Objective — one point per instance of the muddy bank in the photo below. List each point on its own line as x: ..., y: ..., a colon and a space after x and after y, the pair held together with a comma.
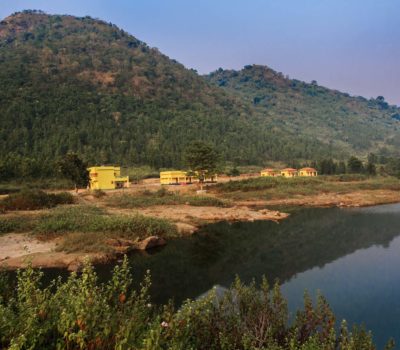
x: 17, y: 250
x: 189, y: 218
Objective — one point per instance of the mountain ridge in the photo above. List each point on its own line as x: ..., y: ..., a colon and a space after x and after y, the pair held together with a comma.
x: 82, y: 84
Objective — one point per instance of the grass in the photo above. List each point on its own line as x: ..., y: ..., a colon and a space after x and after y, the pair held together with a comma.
x: 34, y: 199
x: 275, y: 188
x: 163, y: 197
x: 86, y: 228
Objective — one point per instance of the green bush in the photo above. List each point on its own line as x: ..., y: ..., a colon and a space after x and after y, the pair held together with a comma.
x: 35, y: 199
x: 82, y: 313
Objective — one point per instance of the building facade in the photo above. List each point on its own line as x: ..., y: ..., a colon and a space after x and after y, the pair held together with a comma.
x: 270, y: 172
x: 308, y: 172
x: 107, y: 178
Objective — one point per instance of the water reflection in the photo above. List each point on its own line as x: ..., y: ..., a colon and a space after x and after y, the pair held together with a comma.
x: 310, y: 238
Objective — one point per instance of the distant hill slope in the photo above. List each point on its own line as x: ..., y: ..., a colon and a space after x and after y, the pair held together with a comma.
x: 81, y: 84
x: 353, y: 124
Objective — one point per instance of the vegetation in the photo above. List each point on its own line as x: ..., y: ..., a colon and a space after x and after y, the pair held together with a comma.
x: 92, y: 219
x: 201, y: 159
x: 84, y: 313
x: 163, y: 197
x: 74, y: 169
x: 277, y: 187
x: 85, y: 86
x: 352, y: 125
x: 34, y: 200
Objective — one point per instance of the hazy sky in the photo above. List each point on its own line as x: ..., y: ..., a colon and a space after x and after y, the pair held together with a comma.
x: 349, y: 45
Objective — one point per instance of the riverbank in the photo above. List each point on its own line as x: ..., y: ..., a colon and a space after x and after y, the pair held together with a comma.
x: 103, y: 226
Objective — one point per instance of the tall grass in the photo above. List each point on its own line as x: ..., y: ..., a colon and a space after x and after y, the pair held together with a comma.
x: 82, y: 313
x: 92, y: 219
x: 163, y: 197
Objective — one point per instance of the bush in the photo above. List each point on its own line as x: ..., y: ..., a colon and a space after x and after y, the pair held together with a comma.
x: 82, y: 313
x: 35, y: 199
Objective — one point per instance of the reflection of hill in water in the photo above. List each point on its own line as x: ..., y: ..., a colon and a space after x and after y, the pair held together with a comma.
x: 312, y: 237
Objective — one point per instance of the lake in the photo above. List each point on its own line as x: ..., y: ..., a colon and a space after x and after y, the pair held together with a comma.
x: 351, y: 255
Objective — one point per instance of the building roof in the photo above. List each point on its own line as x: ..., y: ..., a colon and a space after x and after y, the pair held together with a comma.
x: 289, y: 170
x: 268, y: 170
x: 308, y: 169
x: 102, y: 167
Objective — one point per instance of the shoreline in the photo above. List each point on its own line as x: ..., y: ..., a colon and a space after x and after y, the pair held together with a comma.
x: 18, y: 250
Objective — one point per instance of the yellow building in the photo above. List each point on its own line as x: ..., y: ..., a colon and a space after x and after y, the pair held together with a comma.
x: 289, y: 172
x: 174, y: 177
x: 107, y: 178
x: 270, y: 172
x: 308, y: 172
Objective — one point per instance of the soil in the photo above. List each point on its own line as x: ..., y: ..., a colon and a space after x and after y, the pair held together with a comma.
x: 16, y: 250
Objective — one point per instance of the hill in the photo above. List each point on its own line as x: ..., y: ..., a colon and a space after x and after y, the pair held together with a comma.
x: 81, y: 84
x: 352, y: 124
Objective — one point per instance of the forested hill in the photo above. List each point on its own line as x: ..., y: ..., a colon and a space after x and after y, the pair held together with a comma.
x: 353, y: 124
x: 81, y: 84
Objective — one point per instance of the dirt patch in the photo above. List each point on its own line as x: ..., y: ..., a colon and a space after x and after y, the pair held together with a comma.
x: 189, y: 218
x: 52, y: 259
x: 16, y: 244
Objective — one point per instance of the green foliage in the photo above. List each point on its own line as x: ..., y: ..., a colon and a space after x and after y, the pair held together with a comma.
x: 74, y: 169
x: 341, y: 124
x: 355, y: 165
x: 201, y: 158
x: 83, y: 85
x: 35, y: 199
x: 163, y: 197
x: 233, y: 172
x: 86, y: 314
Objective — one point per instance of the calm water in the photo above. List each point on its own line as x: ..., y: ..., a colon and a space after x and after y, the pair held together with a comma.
x: 351, y: 255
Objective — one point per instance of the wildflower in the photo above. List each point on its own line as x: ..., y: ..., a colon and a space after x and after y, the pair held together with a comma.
x: 164, y: 324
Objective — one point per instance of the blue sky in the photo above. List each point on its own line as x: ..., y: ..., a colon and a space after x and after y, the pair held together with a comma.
x: 349, y: 45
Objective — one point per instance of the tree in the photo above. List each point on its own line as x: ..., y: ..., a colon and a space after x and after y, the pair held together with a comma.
x: 73, y: 168
x: 371, y: 168
x: 355, y: 165
x: 202, y: 159
x: 341, y: 168
x: 234, y: 172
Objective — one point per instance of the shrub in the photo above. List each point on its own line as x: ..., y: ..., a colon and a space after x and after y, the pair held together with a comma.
x: 35, y: 199
x: 82, y: 313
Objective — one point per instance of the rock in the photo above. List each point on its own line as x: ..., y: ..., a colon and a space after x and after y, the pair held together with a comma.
x: 151, y: 242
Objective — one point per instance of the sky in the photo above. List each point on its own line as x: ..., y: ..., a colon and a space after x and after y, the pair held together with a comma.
x: 349, y: 45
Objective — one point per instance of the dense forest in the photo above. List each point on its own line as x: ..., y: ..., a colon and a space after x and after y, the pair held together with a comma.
x: 84, y: 85
x: 351, y: 124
